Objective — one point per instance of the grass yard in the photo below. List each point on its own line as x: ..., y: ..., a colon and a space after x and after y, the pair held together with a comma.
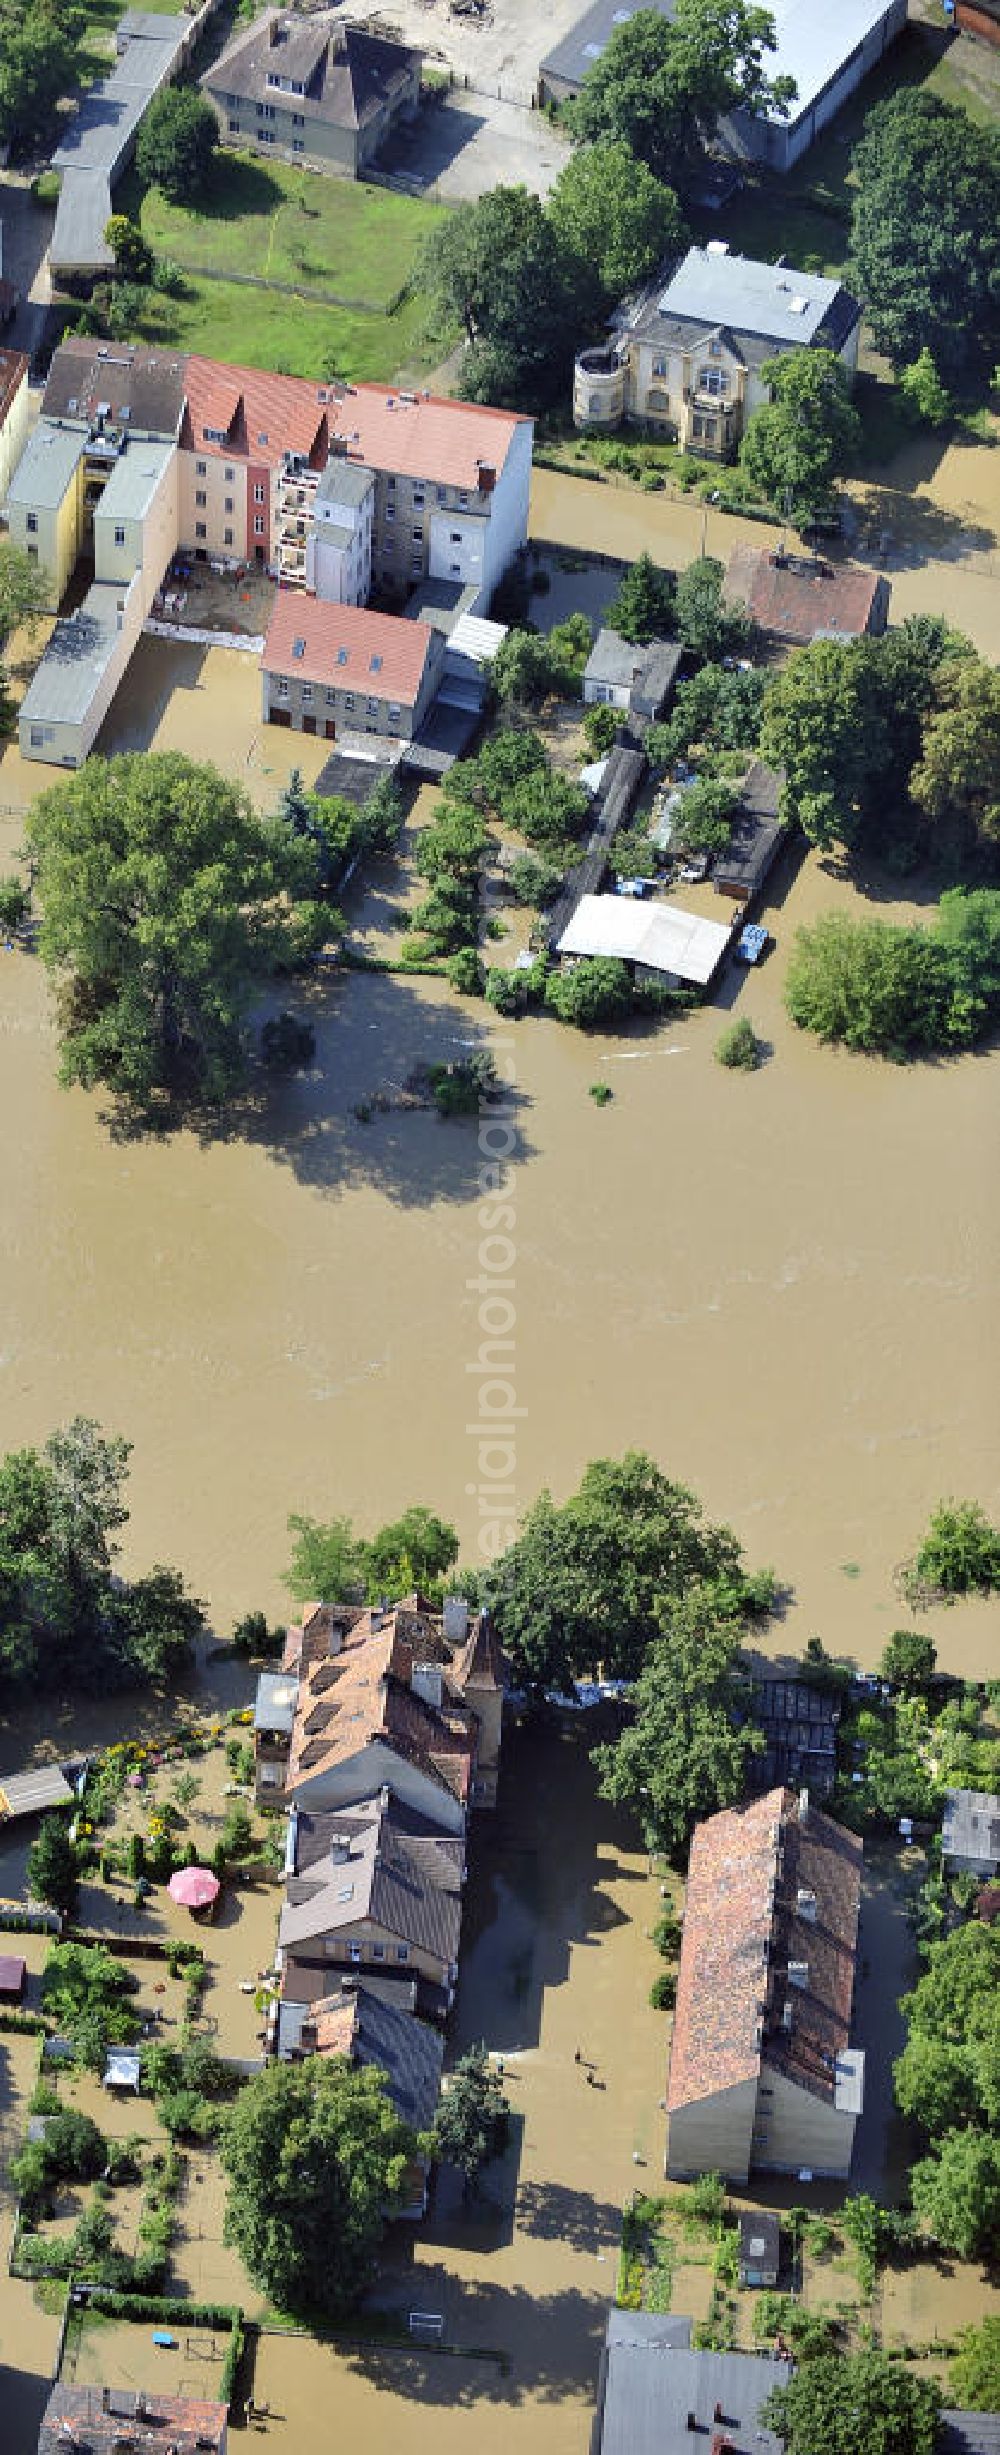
x: 330, y: 237
x: 295, y: 336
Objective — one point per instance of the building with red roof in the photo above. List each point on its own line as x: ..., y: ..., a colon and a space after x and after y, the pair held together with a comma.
x: 795, y: 598
x: 332, y: 669
x: 763, y: 2075
x: 118, y: 2420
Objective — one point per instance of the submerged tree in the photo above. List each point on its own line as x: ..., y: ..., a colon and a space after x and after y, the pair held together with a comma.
x: 167, y: 901
x: 316, y: 2157
x: 685, y: 1748
x: 472, y: 2123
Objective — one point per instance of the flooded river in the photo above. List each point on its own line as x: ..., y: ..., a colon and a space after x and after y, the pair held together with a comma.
x: 783, y: 1286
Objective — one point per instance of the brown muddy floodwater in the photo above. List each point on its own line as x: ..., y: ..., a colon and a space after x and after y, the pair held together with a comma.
x: 783, y: 1286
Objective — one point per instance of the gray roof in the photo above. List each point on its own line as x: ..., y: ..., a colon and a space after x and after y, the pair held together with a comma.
x: 141, y: 389
x: 347, y: 75
x: 760, y: 2236
x: 275, y: 1702
x: 757, y: 835
x: 655, y: 676
x: 407, y: 2050
x: 25, y: 1794
x: 46, y: 467
x: 971, y: 1826
x: 570, y: 60
x: 613, y: 660
x: 134, y: 480
x: 61, y: 691
x: 651, y: 2382
x: 344, y: 482
x: 969, y: 2433
x: 774, y: 302
x: 379, y: 1862
x: 98, y: 140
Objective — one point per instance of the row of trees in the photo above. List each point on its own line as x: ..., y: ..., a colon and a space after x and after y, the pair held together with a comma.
x: 66, y: 1615
x: 947, y: 2082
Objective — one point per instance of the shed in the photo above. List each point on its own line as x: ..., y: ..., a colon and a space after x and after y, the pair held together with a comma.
x: 659, y: 937
x: 122, y: 2069
x: 970, y: 1832
x: 758, y: 835
x: 760, y: 2247
x: 29, y: 1794
x: 12, y: 1974
x: 654, y: 682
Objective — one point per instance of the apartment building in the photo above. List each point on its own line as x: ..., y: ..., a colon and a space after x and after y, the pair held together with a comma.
x: 312, y: 90
x: 685, y: 361
x: 336, y: 490
x: 13, y: 411
x: 334, y: 669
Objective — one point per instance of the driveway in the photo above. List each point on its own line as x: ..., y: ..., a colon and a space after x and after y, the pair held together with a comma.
x: 470, y: 142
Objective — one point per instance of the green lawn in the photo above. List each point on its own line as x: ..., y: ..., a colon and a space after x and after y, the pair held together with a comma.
x: 351, y: 242
x: 295, y: 336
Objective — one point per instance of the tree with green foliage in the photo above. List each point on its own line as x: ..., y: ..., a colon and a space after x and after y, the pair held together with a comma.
x: 924, y: 393
x: 933, y: 2083
x: 956, y: 781
x: 472, y: 2123
x: 908, y: 1661
x: 53, y: 1867
x: 805, y: 436
x: 593, y: 994
x: 715, y: 709
x: 453, y: 845
x: 854, y: 2404
x: 738, y: 1046
x: 845, y: 719
x: 327, y: 1563
x: 177, y: 143
x: 23, y: 590
x: 498, y: 270
x: 960, y: 1552
x: 579, y: 1585
x: 602, y: 725
x: 974, y: 2376
x: 705, y: 625
x: 167, y: 901
x: 925, y: 234
x: 507, y: 758
x: 39, y: 64
x: 533, y: 880
x: 874, y: 985
x: 548, y: 809
x: 133, y: 257
x: 415, y: 1551
x: 316, y: 2159
x: 15, y: 900
x: 704, y: 821
x: 661, y: 86
x: 609, y: 212
x: 685, y: 1748
x: 90, y: 1996
x: 642, y: 608
x: 154, y: 1625
x: 957, y: 2192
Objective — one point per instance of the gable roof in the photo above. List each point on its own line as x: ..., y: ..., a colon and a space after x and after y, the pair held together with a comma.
x: 793, y: 596
x: 355, y: 1689
x: 653, y: 2385
x: 346, y: 75
x: 93, y: 2420
x: 756, y: 836
x: 773, y: 1889
x: 970, y: 1826
x: 262, y: 416
x: 773, y: 302
x: 377, y: 1862
x: 138, y: 387
x: 14, y: 370
x: 348, y: 647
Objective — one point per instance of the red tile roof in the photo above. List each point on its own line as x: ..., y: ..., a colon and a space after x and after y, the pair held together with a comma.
x: 348, y: 646
x: 769, y: 1889
x: 95, y: 2420
x: 14, y: 367
x: 361, y: 1691
x: 415, y: 434
x: 795, y: 597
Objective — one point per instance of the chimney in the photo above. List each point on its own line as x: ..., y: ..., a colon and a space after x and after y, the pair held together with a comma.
x: 427, y: 1682
x: 718, y: 2414
x: 805, y: 1903
x: 105, y: 2399
x: 691, y: 2422
x: 803, y: 1806
x: 456, y: 1618
x: 788, y: 2018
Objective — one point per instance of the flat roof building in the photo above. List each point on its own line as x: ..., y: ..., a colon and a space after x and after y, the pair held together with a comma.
x: 657, y: 937
x: 826, y: 48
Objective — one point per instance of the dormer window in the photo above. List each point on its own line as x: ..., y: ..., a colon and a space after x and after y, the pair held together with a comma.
x: 298, y: 647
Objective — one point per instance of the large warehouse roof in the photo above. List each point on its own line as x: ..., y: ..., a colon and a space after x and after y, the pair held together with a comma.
x: 814, y: 39
x: 659, y: 935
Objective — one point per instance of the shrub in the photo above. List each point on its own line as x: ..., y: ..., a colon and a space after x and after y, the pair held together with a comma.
x: 667, y: 1935
x: 739, y: 1046
x: 707, y: 2199
x: 602, y: 724
x: 14, y: 900
x: 663, y: 1992
x: 465, y: 972
x: 960, y: 1552
x: 595, y: 992
x: 601, y: 1093
x: 535, y: 881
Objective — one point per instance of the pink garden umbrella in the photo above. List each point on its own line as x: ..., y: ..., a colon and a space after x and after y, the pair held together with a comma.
x: 194, y: 1887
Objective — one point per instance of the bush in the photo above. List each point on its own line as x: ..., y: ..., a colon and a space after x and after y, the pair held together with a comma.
x: 739, y: 1046
x: 663, y: 1992
x: 601, y: 1094
x: 465, y: 972
x: 960, y: 1552
x: 602, y: 725
x: 287, y: 1043
x: 592, y: 994
x: 14, y: 902
x: 535, y: 881
x: 667, y: 1934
